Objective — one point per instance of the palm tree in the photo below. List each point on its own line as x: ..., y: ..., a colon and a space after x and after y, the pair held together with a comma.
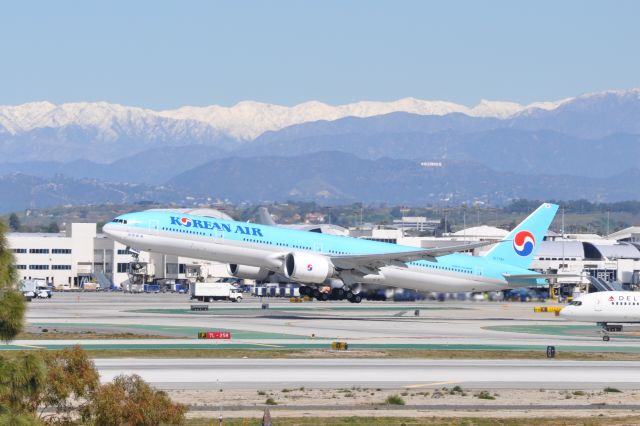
x: 12, y: 304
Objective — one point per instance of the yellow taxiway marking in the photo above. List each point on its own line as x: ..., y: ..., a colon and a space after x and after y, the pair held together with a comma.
x: 424, y: 385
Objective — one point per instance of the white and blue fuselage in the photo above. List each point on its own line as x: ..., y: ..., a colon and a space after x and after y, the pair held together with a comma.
x: 268, y: 248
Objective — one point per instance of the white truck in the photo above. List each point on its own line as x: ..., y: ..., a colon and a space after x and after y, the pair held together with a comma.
x: 208, y: 292
x: 35, y: 288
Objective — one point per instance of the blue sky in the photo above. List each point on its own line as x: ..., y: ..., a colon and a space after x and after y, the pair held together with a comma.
x: 164, y: 54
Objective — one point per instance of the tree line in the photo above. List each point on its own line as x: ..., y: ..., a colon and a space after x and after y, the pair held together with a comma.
x: 576, y: 206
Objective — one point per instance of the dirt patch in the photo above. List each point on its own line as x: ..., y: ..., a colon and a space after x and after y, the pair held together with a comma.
x: 439, y: 401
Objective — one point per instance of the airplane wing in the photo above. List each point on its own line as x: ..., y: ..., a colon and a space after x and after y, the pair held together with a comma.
x: 369, y: 263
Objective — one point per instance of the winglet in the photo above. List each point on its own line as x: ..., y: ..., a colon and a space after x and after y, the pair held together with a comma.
x: 264, y: 217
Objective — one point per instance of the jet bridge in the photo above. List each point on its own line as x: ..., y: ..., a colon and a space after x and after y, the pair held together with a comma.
x: 601, y: 285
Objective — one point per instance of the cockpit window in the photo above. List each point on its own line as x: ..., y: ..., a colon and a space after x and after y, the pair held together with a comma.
x: 122, y: 221
x: 576, y: 303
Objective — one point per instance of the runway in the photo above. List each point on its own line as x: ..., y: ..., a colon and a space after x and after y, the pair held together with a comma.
x: 373, y: 373
x: 169, y: 324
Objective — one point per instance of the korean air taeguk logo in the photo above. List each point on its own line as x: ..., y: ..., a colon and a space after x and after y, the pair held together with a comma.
x: 524, y: 243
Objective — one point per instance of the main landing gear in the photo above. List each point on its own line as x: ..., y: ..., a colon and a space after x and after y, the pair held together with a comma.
x: 334, y: 294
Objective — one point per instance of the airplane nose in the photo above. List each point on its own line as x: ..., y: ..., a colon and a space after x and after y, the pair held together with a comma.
x: 566, y: 312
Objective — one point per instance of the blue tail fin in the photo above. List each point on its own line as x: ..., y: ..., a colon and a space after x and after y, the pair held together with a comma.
x: 519, y: 247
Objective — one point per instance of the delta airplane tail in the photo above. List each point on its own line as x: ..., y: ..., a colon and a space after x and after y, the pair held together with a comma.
x: 519, y: 247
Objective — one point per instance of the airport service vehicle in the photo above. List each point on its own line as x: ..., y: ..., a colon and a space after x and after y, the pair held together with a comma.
x: 255, y: 251
x: 605, y: 307
x: 35, y: 288
x: 43, y: 294
x: 208, y: 292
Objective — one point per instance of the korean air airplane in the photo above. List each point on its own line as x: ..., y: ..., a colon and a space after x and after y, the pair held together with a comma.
x: 605, y: 307
x: 343, y: 263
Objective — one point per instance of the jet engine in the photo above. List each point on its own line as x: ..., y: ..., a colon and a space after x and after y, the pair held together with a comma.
x: 247, y: 272
x: 307, y: 268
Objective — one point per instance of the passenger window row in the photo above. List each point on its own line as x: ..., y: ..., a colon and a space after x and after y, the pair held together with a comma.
x: 186, y: 231
x: 251, y: 240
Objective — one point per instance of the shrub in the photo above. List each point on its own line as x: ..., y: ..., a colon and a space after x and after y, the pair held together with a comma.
x: 394, y: 400
x: 128, y: 398
x: 62, y: 388
x: 485, y: 395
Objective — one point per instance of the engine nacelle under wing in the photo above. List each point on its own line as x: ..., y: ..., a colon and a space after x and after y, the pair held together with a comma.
x: 307, y: 268
x: 247, y: 272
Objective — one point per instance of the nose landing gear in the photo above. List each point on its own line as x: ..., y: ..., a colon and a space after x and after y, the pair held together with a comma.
x: 606, y: 329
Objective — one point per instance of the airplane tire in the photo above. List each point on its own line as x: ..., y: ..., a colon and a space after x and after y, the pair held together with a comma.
x: 315, y: 293
x: 304, y: 290
x: 323, y: 297
x: 337, y: 294
x: 605, y: 338
x: 348, y: 295
x: 357, y: 298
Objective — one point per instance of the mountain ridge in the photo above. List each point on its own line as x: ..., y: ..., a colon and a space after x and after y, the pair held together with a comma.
x: 592, y: 138
x: 336, y: 177
x: 248, y: 119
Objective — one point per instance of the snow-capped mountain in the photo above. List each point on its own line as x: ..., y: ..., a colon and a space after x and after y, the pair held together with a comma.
x: 111, y: 121
x: 247, y: 120
x: 104, y: 132
x: 243, y: 121
x: 529, y: 150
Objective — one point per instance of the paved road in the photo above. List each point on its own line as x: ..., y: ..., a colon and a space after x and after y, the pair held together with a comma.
x: 378, y: 373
